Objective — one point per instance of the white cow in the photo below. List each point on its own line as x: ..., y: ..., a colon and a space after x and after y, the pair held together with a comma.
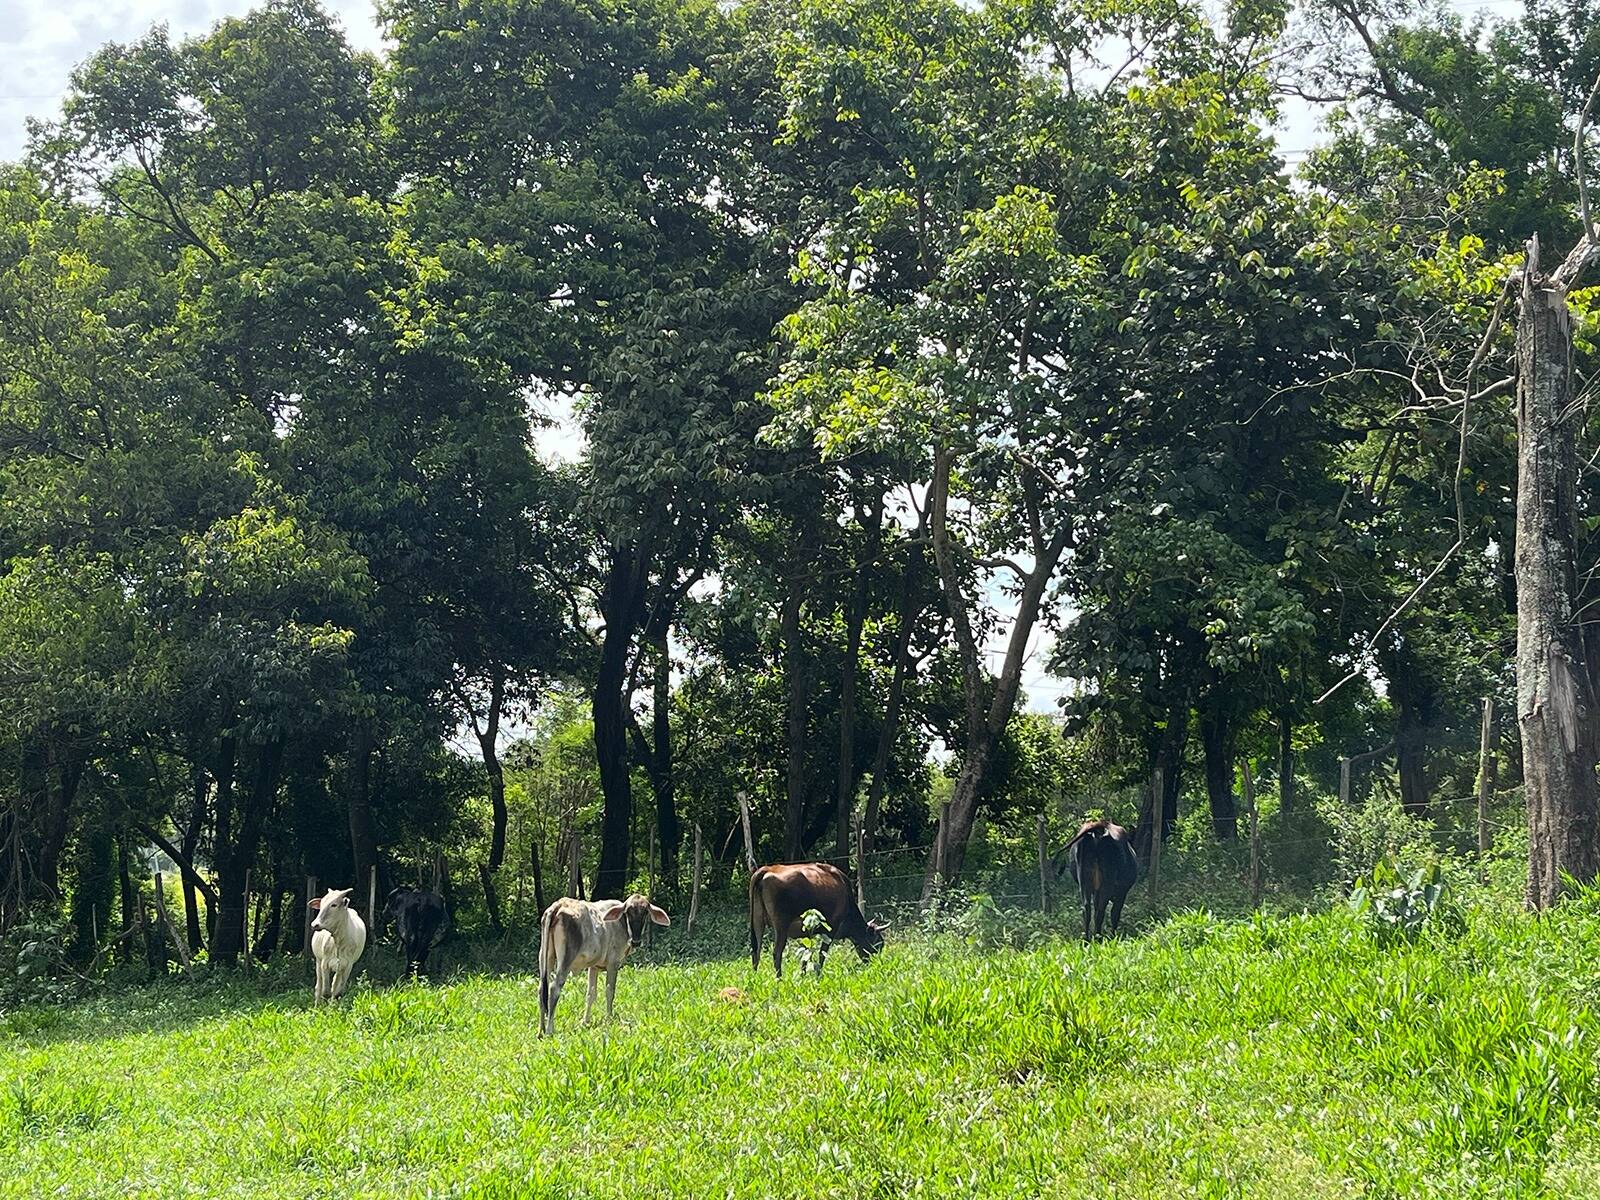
x: 583, y: 934
x: 338, y: 936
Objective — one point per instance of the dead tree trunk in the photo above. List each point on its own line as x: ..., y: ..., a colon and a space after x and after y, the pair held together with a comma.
x: 1557, y: 709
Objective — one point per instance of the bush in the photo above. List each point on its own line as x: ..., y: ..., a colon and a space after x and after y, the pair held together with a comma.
x: 34, y: 968
x: 1398, y: 906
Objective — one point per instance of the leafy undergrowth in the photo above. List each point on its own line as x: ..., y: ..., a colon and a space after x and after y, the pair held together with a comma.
x: 1275, y: 1056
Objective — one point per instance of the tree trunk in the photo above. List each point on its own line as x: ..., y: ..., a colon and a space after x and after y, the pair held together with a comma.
x: 621, y: 607
x: 855, y: 618
x: 60, y: 784
x: 267, y: 943
x: 222, y: 833
x: 191, y: 843
x: 1217, y: 736
x: 538, y: 876
x: 130, y: 898
x: 661, y: 778
x: 489, y: 743
x: 227, y: 938
x: 1285, y: 762
x: 363, y: 836
x: 1557, y: 708
x: 891, y: 717
x: 1166, y: 752
x: 963, y: 811
x: 794, y: 677
x: 989, y: 705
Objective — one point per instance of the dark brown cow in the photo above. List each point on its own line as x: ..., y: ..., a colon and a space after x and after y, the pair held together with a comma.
x: 1102, y: 861
x: 780, y: 895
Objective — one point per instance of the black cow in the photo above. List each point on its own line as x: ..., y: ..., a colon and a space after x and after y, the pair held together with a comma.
x: 418, y: 916
x: 1102, y: 861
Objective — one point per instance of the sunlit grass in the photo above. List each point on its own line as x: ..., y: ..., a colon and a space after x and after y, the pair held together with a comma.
x: 1273, y: 1057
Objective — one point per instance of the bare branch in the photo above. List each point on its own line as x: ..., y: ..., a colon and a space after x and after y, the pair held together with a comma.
x: 1461, y: 508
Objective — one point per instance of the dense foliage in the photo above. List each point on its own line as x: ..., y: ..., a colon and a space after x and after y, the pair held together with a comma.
x: 909, y: 344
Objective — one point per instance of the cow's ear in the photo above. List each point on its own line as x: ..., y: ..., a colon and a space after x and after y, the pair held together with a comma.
x: 659, y: 916
x: 316, y: 904
x: 614, y: 915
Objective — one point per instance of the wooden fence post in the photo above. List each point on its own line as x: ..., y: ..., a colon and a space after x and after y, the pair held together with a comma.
x: 1344, y: 783
x: 305, y: 945
x: 372, y: 899
x: 861, y: 861
x: 1485, y: 775
x: 178, y: 943
x: 941, y: 852
x: 438, y: 869
x: 244, y: 923
x: 749, y: 840
x: 1044, y: 892
x: 1255, y: 835
x: 650, y: 888
x: 1157, y: 820
x: 694, y: 884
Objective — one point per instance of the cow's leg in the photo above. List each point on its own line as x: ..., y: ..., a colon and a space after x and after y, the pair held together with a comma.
x: 757, y: 928
x: 557, y: 982
x: 320, y: 994
x: 1100, y: 915
x: 1116, y: 913
x: 780, y: 938
x: 588, y: 1007
x: 611, y: 988
x: 1088, y: 911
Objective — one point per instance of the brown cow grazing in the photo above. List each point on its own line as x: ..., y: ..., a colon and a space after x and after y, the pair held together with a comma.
x: 781, y: 895
x: 1102, y: 861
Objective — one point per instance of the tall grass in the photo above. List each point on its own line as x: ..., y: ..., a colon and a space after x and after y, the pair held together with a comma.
x: 1283, y: 1055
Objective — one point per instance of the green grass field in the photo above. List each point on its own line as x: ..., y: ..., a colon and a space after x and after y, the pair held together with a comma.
x: 1274, y: 1057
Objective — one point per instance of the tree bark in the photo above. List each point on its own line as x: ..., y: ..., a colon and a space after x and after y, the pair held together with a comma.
x: 1166, y: 752
x: 191, y: 843
x: 222, y: 832
x: 130, y: 898
x: 227, y: 937
x: 538, y: 876
x: 989, y: 705
x: 855, y: 618
x: 61, y: 776
x: 1557, y: 710
x: 622, y: 609
x: 1217, y: 736
x: 489, y: 744
x: 891, y: 712
x: 662, y: 782
x: 794, y: 678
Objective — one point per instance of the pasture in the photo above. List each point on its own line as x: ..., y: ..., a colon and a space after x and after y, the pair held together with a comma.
x: 1266, y: 1056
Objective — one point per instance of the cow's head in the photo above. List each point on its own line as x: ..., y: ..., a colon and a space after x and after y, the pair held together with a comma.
x: 396, y: 900
x: 332, y: 909
x: 873, y: 941
x: 634, y: 913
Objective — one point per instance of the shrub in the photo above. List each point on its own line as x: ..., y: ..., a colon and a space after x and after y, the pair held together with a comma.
x: 1398, y: 906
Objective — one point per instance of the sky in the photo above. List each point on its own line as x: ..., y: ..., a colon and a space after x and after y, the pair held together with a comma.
x: 40, y: 43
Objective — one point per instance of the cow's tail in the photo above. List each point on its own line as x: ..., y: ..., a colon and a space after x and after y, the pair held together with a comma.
x: 547, y: 962
x: 757, y: 921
